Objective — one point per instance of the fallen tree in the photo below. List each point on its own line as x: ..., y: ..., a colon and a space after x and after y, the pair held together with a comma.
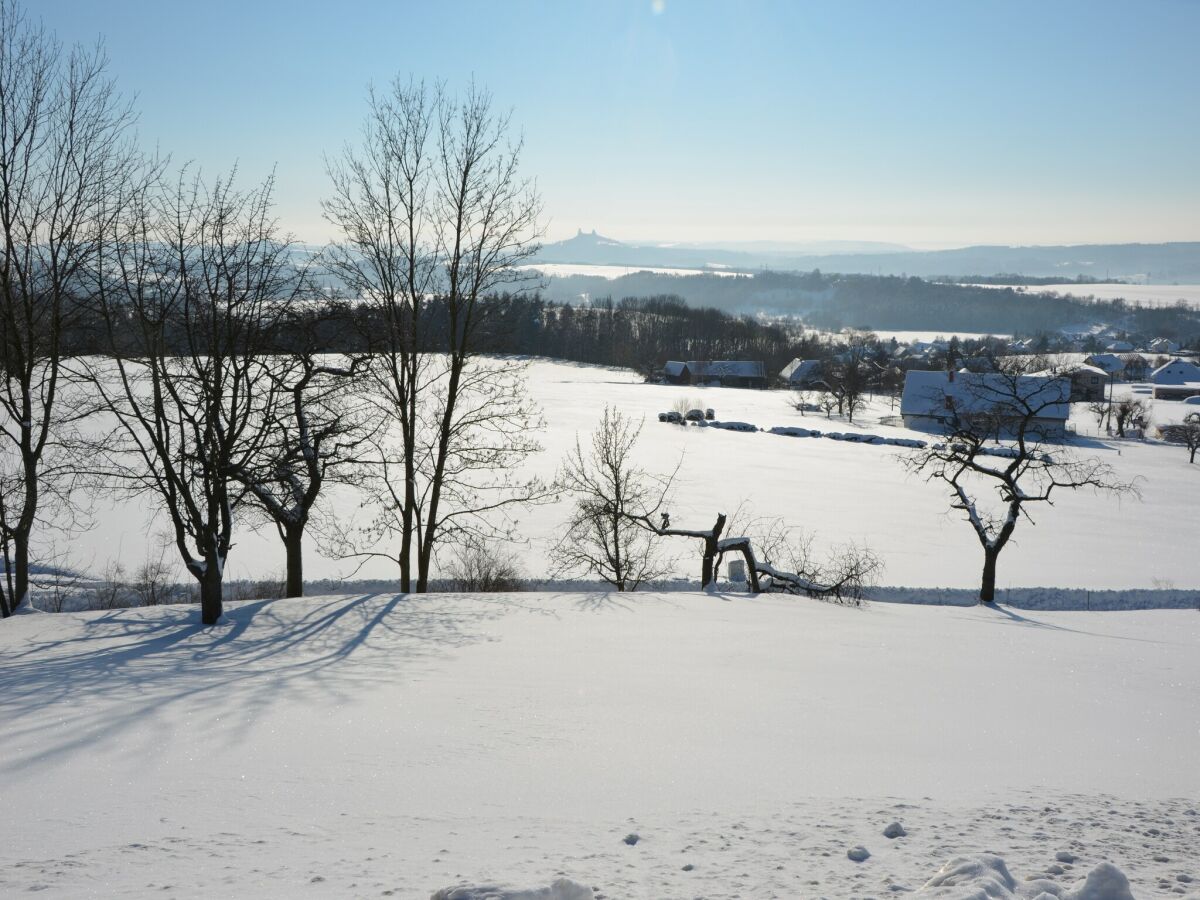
x: 848, y: 571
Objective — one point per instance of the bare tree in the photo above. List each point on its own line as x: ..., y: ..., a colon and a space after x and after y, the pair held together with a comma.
x: 847, y: 572
x: 602, y: 536
x: 478, y: 566
x: 111, y: 591
x: 1186, y: 433
x: 848, y: 378
x: 151, y: 585
x: 314, y: 434
x: 63, y: 156
x: 1129, y: 412
x: 197, y: 281
x: 1008, y: 405
x: 1099, y: 409
x: 436, y: 221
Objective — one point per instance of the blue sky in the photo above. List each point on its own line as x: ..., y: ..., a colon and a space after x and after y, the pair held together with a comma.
x: 926, y: 123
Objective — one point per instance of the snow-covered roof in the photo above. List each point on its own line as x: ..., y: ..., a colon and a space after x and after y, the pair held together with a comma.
x: 1109, y: 362
x: 1073, y: 370
x: 1177, y: 371
x: 1119, y: 346
x: 717, y: 368
x: 934, y: 394
x: 799, y: 369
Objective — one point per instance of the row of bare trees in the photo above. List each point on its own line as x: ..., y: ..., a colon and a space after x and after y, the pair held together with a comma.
x: 209, y: 395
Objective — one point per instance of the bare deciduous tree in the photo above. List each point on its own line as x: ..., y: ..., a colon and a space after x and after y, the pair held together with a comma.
x: 601, y: 536
x: 197, y: 281
x: 436, y: 221
x: 63, y: 156
x: 478, y: 566
x: 1129, y: 412
x: 313, y: 435
x: 1013, y: 406
x: 847, y: 572
x: 1187, y: 433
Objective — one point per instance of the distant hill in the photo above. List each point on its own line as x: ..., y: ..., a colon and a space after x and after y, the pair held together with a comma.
x: 1161, y: 263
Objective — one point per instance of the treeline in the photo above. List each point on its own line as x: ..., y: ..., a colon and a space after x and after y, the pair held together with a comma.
x: 883, y: 303
x: 639, y: 333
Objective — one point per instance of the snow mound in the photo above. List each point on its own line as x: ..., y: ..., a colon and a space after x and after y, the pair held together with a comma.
x: 979, y: 877
x: 561, y: 889
x: 985, y: 877
x: 795, y: 431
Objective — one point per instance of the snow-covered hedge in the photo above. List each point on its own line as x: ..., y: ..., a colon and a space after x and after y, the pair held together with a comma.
x: 795, y: 431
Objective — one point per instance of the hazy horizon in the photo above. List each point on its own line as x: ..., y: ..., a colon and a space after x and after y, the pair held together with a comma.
x: 932, y: 126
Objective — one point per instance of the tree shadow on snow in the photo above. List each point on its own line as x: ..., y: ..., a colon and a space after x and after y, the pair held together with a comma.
x: 261, y: 652
x: 1006, y: 615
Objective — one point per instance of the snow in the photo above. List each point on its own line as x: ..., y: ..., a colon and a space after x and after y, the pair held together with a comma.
x: 844, y: 493
x: 562, y: 889
x: 984, y: 876
x: 357, y: 745
x: 1137, y: 294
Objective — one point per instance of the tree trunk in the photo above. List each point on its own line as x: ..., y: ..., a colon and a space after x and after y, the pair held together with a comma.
x: 707, y: 575
x: 211, y: 606
x: 293, y: 541
x: 21, y: 565
x: 987, y: 592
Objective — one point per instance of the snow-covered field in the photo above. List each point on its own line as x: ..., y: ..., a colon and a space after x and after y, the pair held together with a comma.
x: 380, y: 745
x: 840, y: 491
x: 1138, y: 294
x: 565, y: 270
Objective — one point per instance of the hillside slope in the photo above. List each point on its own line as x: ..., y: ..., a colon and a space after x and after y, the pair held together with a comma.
x: 353, y: 746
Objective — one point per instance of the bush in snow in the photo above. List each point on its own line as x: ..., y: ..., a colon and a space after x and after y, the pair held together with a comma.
x: 478, y: 566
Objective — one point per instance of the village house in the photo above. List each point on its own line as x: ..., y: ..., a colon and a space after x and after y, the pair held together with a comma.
x: 943, y: 401
x: 1135, y: 367
x: 723, y: 373
x: 1162, y: 345
x: 1176, y: 380
x: 1110, y: 363
x: 802, y: 373
x: 1087, y: 382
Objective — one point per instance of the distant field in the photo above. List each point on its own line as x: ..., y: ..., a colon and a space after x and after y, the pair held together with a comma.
x: 566, y: 270
x: 840, y: 492
x: 1141, y: 294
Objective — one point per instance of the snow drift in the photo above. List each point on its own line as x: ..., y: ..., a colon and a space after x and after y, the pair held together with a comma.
x: 561, y: 889
x: 986, y: 877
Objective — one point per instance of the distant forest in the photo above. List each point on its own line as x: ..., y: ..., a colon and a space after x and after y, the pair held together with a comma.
x: 883, y: 303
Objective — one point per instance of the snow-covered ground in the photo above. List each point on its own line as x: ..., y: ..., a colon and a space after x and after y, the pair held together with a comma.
x: 380, y: 745
x: 1138, y: 294
x: 841, y: 492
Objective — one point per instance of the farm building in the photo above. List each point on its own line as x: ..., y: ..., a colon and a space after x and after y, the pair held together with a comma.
x: 723, y: 372
x: 941, y: 401
x: 1135, y: 367
x: 801, y: 373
